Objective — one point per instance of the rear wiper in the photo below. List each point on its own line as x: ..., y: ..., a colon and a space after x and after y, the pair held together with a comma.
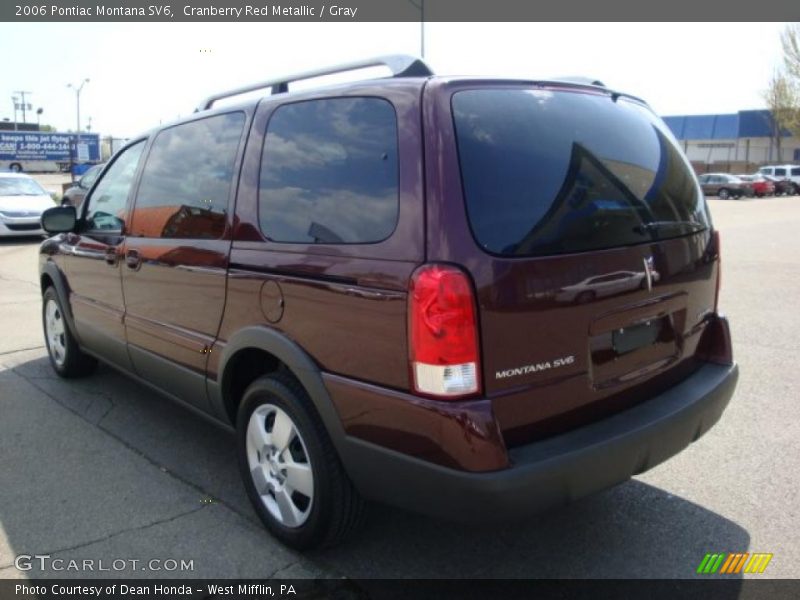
x: 656, y: 226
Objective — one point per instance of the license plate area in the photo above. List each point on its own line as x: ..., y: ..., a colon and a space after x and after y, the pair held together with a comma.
x: 628, y: 339
x: 632, y: 344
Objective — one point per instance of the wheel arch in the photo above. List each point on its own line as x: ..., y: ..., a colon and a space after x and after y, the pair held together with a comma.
x: 278, y: 352
x: 52, y: 276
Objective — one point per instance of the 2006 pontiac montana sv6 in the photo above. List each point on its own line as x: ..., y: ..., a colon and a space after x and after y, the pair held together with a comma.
x: 470, y: 298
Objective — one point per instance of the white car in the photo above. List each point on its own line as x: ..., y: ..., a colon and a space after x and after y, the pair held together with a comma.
x: 22, y: 202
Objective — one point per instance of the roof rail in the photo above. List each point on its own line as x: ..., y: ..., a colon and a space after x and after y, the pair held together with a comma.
x: 400, y: 65
x: 580, y: 79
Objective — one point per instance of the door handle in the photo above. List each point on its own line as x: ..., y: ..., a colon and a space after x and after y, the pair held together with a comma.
x: 132, y: 259
x: 111, y: 256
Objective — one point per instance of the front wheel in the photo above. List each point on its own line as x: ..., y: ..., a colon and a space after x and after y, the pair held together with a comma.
x: 724, y: 194
x: 66, y: 357
x: 290, y: 468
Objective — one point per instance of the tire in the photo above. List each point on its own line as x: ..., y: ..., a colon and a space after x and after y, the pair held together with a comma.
x: 723, y: 194
x: 66, y: 358
x: 15, y: 167
x: 585, y: 297
x: 281, y: 438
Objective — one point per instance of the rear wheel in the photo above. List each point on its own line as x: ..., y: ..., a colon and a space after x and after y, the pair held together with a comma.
x: 66, y: 357
x: 724, y: 194
x: 290, y: 468
x: 15, y: 167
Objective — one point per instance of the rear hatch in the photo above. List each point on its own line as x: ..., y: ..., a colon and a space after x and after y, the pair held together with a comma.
x: 595, y: 269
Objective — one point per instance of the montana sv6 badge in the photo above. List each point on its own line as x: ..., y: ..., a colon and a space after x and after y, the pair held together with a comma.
x: 535, y: 367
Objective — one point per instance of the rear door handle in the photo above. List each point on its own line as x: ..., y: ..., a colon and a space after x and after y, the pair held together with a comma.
x: 132, y: 259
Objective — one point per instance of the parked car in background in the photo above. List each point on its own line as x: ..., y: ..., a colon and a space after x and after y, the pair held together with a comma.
x: 784, y: 172
x: 783, y: 187
x: 725, y: 186
x: 74, y: 195
x: 22, y: 202
x: 762, y: 186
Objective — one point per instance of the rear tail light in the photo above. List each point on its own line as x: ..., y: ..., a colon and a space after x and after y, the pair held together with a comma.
x: 443, y: 333
x: 718, y: 249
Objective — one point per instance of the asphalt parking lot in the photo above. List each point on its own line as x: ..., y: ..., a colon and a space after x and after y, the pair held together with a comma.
x: 102, y: 468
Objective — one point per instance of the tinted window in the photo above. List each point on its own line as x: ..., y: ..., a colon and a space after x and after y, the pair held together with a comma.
x: 329, y: 172
x: 795, y: 172
x: 549, y: 172
x: 187, y: 178
x: 780, y: 172
x: 108, y: 200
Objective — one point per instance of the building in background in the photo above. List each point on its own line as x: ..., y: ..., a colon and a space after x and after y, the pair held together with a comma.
x: 733, y: 143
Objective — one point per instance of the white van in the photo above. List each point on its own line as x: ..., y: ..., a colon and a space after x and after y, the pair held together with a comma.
x: 789, y: 172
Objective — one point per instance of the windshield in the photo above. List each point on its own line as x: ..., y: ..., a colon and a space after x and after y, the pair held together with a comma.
x: 551, y: 172
x: 20, y: 186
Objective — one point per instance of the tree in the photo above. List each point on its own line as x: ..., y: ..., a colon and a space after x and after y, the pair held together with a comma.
x: 783, y: 102
x: 790, y: 40
x: 783, y: 92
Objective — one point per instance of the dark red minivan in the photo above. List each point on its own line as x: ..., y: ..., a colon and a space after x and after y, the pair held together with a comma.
x: 471, y: 298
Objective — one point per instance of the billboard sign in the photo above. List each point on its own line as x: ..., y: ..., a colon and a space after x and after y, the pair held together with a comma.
x: 27, y: 145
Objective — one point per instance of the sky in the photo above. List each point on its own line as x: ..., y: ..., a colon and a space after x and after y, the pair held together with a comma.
x: 144, y: 74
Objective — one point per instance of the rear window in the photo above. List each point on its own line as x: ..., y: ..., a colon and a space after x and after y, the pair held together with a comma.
x: 552, y: 172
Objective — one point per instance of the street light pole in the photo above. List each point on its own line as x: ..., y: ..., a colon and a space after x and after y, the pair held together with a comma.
x: 422, y: 29
x: 77, y: 89
x: 420, y: 4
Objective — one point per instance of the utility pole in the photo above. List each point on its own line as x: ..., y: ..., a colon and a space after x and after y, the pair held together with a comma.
x: 14, y: 100
x: 77, y: 89
x: 22, y: 94
x: 420, y: 4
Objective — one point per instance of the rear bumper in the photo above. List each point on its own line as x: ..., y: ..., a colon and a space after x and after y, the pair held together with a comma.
x: 554, y: 471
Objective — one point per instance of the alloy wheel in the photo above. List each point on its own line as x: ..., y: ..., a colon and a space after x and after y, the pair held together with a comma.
x: 280, y: 466
x: 56, y: 336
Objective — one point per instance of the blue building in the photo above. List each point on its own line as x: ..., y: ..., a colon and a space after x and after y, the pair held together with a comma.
x: 736, y: 142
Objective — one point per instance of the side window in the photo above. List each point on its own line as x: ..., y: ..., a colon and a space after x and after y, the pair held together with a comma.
x: 796, y: 172
x: 88, y: 178
x: 780, y: 172
x: 329, y: 172
x: 106, y: 206
x: 187, y: 178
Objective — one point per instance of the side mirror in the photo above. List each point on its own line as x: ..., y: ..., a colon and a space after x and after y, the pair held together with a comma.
x: 59, y: 219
